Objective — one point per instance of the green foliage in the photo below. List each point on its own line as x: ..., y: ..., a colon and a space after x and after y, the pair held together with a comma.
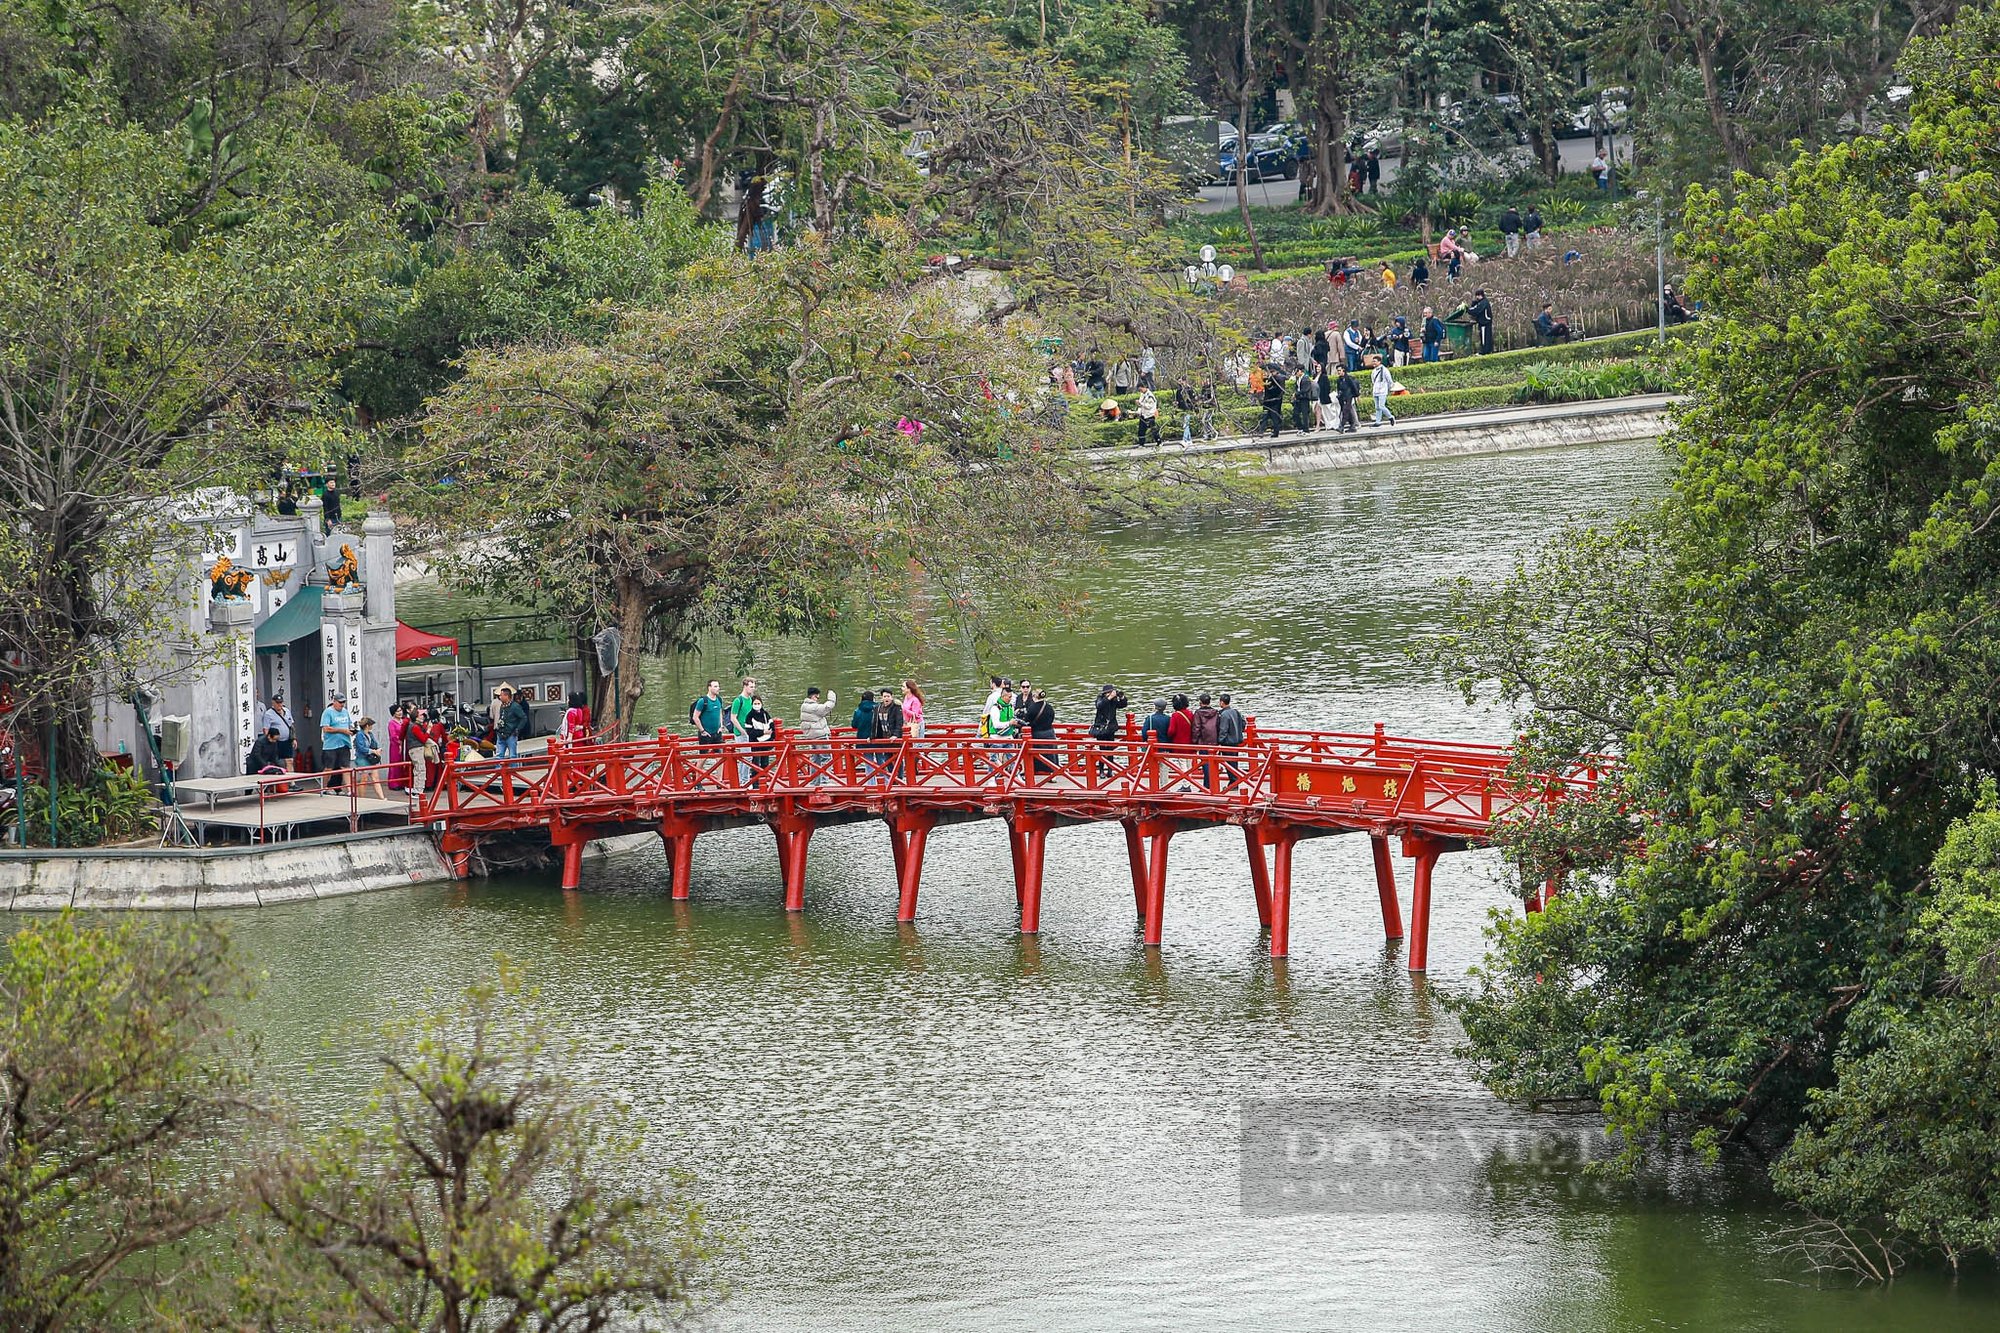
x: 1795, y: 656
x: 1457, y: 207
x: 481, y: 1186
x: 112, y: 805
x: 119, y: 1069
x: 1546, y: 382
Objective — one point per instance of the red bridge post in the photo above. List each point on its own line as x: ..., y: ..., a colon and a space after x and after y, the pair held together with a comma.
x: 1385, y: 887
x: 793, y: 833
x: 1260, y: 872
x: 678, y: 833
x: 1426, y: 852
x: 1156, y: 832
x: 908, y: 831
x: 1135, y: 856
x: 1282, y: 838
x: 1030, y: 835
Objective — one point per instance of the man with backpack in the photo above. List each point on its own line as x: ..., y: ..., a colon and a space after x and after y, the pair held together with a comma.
x: 705, y: 715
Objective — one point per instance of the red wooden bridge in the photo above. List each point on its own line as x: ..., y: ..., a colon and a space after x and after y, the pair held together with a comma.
x: 1279, y: 787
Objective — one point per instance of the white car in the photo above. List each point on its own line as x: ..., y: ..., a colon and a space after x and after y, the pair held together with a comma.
x: 1617, y: 109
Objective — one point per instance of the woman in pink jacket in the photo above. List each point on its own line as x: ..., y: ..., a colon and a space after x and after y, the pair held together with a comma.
x: 913, y: 708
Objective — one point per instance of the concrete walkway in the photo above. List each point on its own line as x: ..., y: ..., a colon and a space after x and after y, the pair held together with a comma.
x: 1447, y: 435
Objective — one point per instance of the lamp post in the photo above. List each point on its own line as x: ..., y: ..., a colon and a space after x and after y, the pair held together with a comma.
x: 1208, y: 277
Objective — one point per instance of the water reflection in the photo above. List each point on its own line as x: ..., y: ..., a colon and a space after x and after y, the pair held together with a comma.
x: 945, y: 1124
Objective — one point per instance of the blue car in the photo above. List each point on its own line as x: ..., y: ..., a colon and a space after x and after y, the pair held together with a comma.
x: 1269, y: 156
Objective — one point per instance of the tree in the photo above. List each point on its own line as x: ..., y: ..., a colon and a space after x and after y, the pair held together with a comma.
x: 1795, y: 654
x: 148, y: 353
x: 118, y: 1067
x: 482, y: 1187
x: 763, y: 440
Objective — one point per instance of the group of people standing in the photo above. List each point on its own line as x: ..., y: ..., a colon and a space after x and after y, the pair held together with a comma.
x: 1321, y: 384
x: 406, y: 755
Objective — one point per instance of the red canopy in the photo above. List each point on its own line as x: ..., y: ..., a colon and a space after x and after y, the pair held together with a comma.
x: 413, y: 645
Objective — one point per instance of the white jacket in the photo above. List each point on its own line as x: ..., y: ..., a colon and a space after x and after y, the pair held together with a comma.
x: 813, y: 715
x: 1382, y: 380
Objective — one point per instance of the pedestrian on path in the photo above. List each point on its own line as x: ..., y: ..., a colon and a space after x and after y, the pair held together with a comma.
x: 336, y: 738
x: 1207, y: 403
x: 1149, y: 416
x: 1304, y: 394
x: 1382, y: 381
x: 1274, y: 405
x: 1323, y: 398
x: 1184, y: 403
x: 1346, y: 390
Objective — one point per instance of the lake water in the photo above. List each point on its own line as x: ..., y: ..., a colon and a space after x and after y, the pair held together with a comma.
x: 946, y: 1125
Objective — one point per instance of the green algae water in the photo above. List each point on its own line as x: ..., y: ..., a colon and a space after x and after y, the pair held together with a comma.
x: 946, y: 1125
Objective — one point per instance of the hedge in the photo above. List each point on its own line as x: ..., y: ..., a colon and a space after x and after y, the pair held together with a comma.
x: 1615, y: 347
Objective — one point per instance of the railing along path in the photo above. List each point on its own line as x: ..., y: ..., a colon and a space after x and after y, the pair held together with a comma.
x: 1279, y: 787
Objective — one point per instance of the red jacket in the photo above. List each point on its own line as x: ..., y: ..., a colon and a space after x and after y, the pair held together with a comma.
x: 1180, y: 728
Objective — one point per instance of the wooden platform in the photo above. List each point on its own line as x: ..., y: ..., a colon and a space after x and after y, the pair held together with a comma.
x: 279, y: 818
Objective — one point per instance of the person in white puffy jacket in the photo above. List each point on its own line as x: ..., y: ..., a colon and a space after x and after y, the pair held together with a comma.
x: 1383, y: 382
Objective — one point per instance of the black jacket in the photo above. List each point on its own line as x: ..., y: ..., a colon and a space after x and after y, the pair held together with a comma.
x: 1110, y: 703
x: 888, y: 720
x: 1481, y: 312
x: 1274, y: 395
x: 1346, y: 388
x: 265, y: 754
x: 1039, y: 716
x: 1433, y: 330
x: 1510, y: 222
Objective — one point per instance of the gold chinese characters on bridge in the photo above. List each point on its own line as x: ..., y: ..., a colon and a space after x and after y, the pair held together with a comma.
x: 1367, y: 787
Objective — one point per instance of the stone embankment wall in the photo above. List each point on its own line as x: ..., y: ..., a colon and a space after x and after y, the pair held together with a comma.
x: 1499, y: 431
x: 212, y: 877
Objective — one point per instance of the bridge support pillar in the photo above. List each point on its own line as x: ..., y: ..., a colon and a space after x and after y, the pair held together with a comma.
x: 1282, y: 840
x: 907, y: 835
x: 678, y: 835
x: 1135, y: 856
x: 1260, y: 872
x: 1157, y: 833
x: 1426, y: 852
x: 793, y: 833
x: 572, y: 872
x: 1385, y: 887
x: 1029, y: 835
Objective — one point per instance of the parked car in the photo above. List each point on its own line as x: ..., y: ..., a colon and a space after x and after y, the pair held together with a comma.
x: 1616, y: 111
x: 1268, y: 157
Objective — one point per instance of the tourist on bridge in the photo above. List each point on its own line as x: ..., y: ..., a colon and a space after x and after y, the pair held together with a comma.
x: 1346, y: 390
x: 513, y: 722
x: 576, y: 719
x: 738, y: 723
x: 1180, y: 725
x: 336, y: 738
x: 1382, y: 382
x: 815, y: 728
x: 1039, y: 716
x: 1206, y: 732
x: 913, y: 708
x: 1159, y: 724
x: 999, y: 725
x: 705, y: 715
x: 1230, y: 730
x: 1104, y: 725
x: 277, y: 715
x: 890, y: 724
x: 758, y: 728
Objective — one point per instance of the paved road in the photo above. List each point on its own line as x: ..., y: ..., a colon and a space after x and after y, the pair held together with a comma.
x: 1575, y: 155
